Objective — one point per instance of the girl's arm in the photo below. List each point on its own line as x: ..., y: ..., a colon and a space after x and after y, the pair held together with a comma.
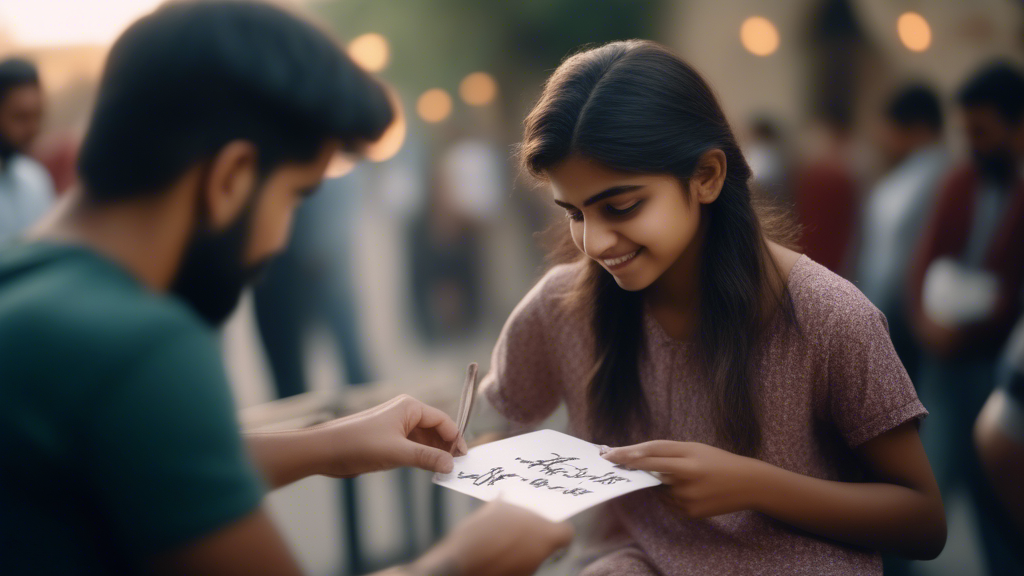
x: 899, y: 512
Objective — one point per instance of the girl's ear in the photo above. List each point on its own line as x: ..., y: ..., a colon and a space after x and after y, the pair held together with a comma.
x: 708, y: 178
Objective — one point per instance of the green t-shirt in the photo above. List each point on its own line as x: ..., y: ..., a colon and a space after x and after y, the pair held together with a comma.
x: 118, y: 438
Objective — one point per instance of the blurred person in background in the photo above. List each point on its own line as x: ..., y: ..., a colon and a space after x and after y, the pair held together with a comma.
x: 58, y: 152
x: 826, y: 194
x: 121, y: 449
x: 965, y: 288
x: 26, y: 190
x: 999, y: 435
x: 769, y: 160
x: 445, y: 260
x: 310, y: 284
x: 910, y: 139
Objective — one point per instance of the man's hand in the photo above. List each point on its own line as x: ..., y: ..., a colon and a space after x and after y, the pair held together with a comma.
x: 497, y: 540
x: 700, y: 480
x: 401, y: 432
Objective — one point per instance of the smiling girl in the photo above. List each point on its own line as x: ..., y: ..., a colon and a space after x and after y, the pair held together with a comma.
x: 763, y: 388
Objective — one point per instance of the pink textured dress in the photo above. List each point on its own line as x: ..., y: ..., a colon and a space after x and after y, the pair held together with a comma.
x: 823, y: 391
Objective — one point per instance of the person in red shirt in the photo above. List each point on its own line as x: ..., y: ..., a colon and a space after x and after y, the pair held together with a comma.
x: 826, y: 200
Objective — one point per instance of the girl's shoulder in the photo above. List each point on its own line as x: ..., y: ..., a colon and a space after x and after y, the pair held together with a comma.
x: 824, y: 300
x: 551, y: 309
x: 556, y: 292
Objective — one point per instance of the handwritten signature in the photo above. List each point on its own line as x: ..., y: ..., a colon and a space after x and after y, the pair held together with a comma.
x: 558, y: 466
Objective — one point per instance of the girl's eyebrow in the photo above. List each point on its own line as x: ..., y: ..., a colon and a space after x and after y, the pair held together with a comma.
x: 609, y: 193
x: 613, y: 191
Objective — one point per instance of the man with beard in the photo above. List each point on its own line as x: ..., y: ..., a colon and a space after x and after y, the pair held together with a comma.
x: 26, y: 191
x: 965, y: 291
x: 120, y: 449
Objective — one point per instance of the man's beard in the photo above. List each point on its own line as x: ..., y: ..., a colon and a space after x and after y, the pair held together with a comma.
x: 7, y: 150
x: 998, y: 165
x: 212, y: 274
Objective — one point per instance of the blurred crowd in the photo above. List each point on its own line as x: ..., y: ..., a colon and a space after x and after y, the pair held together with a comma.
x: 936, y: 242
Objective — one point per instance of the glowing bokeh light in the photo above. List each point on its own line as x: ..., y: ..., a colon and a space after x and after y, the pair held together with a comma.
x: 914, y: 31
x: 339, y: 165
x: 759, y: 36
x: 478, y: 89
x: 370, y: 51
x: 391, y: 141
x: 434, y: 105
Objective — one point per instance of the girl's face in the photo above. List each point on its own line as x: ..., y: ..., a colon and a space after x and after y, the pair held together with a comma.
x: 634, y: 225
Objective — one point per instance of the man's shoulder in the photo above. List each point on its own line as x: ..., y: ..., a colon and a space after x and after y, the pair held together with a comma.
x: 71, y: 300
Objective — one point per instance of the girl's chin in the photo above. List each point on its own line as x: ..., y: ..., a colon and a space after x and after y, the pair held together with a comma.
x: 631, y: 283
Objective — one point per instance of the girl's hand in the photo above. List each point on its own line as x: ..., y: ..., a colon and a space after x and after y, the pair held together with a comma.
x: 701, y: 480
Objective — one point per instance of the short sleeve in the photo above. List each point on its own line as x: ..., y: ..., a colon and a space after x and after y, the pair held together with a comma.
x: 1010, y: 418
x: 522, y: 384
x: 165, y: 456
x: 869, y: 391
x: 1012, y: 366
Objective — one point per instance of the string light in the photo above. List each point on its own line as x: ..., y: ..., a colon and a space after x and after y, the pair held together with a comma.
x: 759, y: 36
x: 434, y: 105
x: 914, y: 31
x: 478, y: 89
x: 394, y: 136
x: 370, y: 51
x: 339, y: 165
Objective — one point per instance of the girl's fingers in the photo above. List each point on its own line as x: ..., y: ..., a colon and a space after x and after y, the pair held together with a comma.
x: 673, y: 466
x: 654, y: 448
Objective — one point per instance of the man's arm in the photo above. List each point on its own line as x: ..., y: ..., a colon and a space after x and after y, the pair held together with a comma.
x: 250, y: 546
x: 401, y: 432
x: 497, y: 540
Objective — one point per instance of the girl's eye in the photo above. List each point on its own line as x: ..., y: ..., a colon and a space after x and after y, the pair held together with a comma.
x: 622, y: 210
x: 574, y: 215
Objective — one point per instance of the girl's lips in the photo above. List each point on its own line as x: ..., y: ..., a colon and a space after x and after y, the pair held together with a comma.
x: 620, y: 261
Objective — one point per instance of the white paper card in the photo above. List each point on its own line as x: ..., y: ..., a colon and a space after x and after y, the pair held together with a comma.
x: 552, y: 474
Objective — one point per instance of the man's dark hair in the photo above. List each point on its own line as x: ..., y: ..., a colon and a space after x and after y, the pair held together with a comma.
x: 916, y: 105
x: 999, y: 85
x: 187, y: 79
x: 16, y: 72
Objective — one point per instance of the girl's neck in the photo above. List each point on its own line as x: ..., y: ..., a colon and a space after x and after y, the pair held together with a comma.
x: 674, y: 298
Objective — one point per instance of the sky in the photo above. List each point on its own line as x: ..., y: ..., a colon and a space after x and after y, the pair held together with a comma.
x: 51, y: 23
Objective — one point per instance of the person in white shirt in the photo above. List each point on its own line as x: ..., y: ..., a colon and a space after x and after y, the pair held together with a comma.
x: 896, y: 208
x: 26, y: 189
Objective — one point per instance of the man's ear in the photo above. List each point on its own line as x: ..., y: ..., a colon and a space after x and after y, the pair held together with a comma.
x: 709, y: 177
x: 229, y: 182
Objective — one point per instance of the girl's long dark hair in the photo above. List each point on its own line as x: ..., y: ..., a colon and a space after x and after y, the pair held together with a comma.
x: 633, y: 106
